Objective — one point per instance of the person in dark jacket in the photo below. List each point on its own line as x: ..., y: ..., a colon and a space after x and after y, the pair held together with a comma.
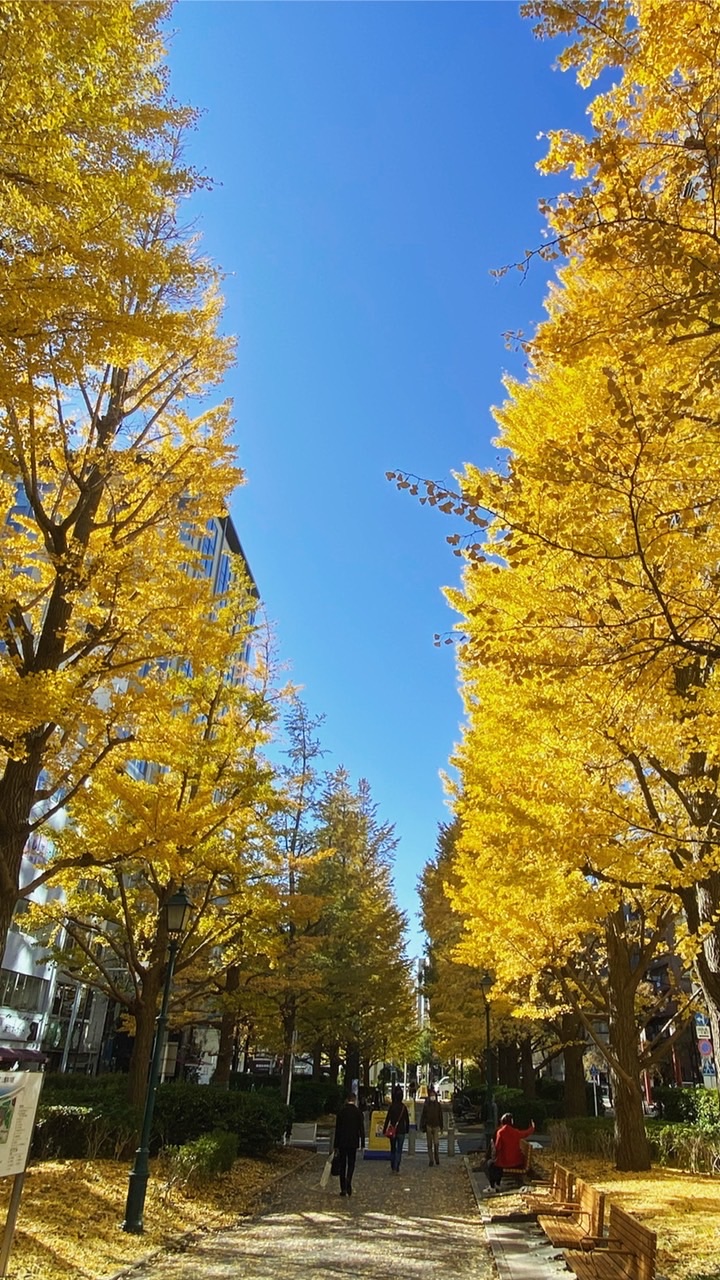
x: 349, y: 1135
x: 431, y: 1123
x: 397, y: 1124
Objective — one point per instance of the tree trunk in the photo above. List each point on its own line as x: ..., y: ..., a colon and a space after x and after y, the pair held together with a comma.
x: 317, y: 1060
x: 702, y: 903
x: 145, y: 1011
x: 508, y: 1067
x: 289, y: 1023
x: 17, y: 795
x: 334, y: 1055
x: 527, y: 1068
x: 352, y: 1064
x: 221, y: 1075
x: 632, y: 1150
x: 574, y: 1046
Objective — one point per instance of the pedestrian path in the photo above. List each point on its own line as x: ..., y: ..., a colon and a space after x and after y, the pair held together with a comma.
x: 421, y: 1223
x: 519, y: 1249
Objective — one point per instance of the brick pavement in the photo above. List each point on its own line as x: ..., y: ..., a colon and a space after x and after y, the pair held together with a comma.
x: 422, y: 1224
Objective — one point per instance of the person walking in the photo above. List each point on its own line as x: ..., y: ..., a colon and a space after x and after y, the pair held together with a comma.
x: 349, y: 1135
x: 431, y: 1123
x: 397, y: 1124
x: 508, y: 1153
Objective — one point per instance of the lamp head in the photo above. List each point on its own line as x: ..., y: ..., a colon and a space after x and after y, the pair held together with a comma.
x: 177, y: 912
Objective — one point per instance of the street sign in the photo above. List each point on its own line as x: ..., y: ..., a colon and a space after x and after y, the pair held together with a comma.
x: 704, y: 1048
x: 594, y: 1075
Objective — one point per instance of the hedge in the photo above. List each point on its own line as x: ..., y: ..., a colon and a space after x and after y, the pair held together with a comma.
x: 205, y: 1158
x: 92, y: 1119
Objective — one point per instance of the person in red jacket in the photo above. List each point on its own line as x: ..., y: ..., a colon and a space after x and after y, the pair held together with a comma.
x: 508, y: 1153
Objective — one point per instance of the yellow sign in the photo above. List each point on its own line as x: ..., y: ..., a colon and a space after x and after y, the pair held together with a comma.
x: 377, y: 1142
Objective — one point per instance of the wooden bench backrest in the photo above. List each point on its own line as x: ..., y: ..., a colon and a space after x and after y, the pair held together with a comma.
x: 591, y: 1207
x: 563, y: 1184
x: 629, y: 1235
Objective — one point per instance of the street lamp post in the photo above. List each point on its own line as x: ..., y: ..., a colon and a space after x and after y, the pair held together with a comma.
x: 490, y: 1103
x: 177, y: 914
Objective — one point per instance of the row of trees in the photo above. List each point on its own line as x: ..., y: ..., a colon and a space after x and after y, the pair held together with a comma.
x: 135, y: 728
x: 588, y: 804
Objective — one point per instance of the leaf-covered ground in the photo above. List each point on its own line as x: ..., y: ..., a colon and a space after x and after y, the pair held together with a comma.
x: 69, y: 1222
x: 682, y: 1208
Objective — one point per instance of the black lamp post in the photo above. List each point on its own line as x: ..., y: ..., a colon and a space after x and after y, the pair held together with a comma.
x: 490, y: 1104
x: 177, y: 915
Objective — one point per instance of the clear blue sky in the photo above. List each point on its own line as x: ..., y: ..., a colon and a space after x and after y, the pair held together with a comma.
x: 373, y: 162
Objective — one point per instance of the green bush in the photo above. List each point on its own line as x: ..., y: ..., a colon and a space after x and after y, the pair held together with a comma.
x: 184, y: 1112
x: 205, y: 1158
x: 698, y: 1106
x: 522, y: 1109
x: 311, y: 1099
x: 677, y: 1146
x: 75, y: 1132
x: 91, y: 1118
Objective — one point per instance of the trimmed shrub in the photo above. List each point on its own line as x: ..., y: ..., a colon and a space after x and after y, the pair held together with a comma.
x: 313, y: 1098
x: 74, y: 1132
x: 91, y: 1118
x: 184, y: 1112
x: 205, y: 1158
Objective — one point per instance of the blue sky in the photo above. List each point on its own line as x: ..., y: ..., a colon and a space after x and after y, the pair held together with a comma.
x: 373, y: 163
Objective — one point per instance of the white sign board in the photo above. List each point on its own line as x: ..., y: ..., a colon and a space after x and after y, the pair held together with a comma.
x: 19, y: 1095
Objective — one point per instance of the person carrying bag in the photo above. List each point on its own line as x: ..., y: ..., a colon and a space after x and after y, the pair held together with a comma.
x: 397, y: 1124
x: 349, y: 1135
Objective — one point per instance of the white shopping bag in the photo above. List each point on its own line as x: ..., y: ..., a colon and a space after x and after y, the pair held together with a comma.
x: 327, y: 1170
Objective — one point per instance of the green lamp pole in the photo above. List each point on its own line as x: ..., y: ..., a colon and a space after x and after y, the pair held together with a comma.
x: 490, y: 1104
x: 177, y: 911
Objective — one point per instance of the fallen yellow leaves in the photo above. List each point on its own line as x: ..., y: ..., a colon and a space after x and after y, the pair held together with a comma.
x: 71, y: 1210
x: 682, y: 1208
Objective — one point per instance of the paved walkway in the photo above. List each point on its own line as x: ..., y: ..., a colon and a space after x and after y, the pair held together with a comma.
x: 421, y: 1223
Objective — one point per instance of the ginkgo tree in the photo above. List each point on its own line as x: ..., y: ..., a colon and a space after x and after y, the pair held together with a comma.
x: 112, y: 457
x: 592, y: 557
x: 189, y: 814
x: 365, y: 999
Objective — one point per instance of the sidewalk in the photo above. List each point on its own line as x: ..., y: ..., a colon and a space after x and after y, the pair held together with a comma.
x: 519, y: 1249
x: 422, y: 1224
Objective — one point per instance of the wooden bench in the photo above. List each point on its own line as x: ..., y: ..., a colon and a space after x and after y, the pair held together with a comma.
x: 629, y: 1252
x: 585, y: 1227
x: 559, y: 1196
x: 522, y: 1172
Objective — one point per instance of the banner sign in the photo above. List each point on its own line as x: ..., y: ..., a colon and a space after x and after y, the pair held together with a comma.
x: 19, y: 1096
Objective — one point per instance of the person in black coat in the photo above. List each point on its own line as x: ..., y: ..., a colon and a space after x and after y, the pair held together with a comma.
x: 349, y: 1135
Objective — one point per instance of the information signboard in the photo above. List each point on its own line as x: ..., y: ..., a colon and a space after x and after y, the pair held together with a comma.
x: 377, y: 1146
x: 19, y: 1095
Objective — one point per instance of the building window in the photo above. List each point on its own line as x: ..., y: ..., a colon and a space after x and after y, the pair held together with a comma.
x: 21, y: 991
